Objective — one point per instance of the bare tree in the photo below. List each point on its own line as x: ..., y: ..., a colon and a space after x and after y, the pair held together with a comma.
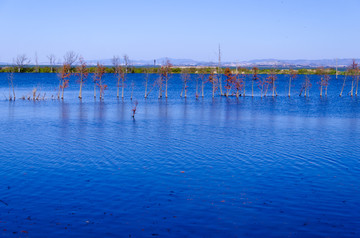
x: 126, y: 65
x: 64, y: 75
x: 70, y: 58
x: 201, y: 76
x: 292, y: 77
x: 36, y: 63
x: 165, y: 74
x: 146, y: 73
x: 11, y: 86
x: 82, y: 72
x: 254, y: 78
x: 185, y: 76
x: 119, y: 73
x: 126, y: 62
x: 20, y: 61
x: 214, y: 81
x: 98, y: 77
x: 219, y: 74
x: 52, y: 59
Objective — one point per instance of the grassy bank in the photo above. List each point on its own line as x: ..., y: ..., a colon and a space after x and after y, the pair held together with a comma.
x: 175, y: 70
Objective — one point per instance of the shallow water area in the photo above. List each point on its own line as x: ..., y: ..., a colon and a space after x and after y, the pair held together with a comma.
x: 222, y: 167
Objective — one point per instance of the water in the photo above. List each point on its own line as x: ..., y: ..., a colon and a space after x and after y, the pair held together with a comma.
x: 259, y: 167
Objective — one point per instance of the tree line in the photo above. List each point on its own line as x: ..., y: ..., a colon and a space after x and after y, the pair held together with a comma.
x: 23, y: 64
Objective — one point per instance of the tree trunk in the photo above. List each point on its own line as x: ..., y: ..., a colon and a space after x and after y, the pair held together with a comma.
x: 342, y: 89
x: 321, y: 91
x: 58, y: 96
x: 202, y: 89
x: 185, y: 89
x: 289, y: 86
x: 166, y: 95
x: 357, y: 85
x: 213, y: 91
x: 118, y: 88
x: 220, y: 84
x: 80, y: 92
x: 244, y: 87
x: 273, y: 89
x: 122, y: 90
x: 197, y: 85
x: 81, y: 82
x: 252, y: 88
x: 146, y: 83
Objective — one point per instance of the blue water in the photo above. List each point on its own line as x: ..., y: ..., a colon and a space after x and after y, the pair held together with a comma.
x: 247, y: 167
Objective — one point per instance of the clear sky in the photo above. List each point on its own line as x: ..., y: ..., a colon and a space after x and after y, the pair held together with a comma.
x: 190, y: 29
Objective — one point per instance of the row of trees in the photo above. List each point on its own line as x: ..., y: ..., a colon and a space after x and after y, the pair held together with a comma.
x: 235, y: 82
x: 22, y: 63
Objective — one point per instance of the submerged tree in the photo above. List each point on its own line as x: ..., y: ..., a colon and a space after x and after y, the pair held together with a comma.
x: 124, y: 73
x: 98, y: 79
x: 201, y: 77
x: 324, y: 80
x: 146, y: 74
x: 10, y: 78
x: 64, y: 75
x: 230, y: 80
x: 343, y: 85
x: 219, y: 73
x: 82, y: 72
x: 165, y: 72
x: 238, y: 84
x: 132, y: 89
x: 213, y: 80
x: 353, y: 70
x: 185, y: 76
x: 292, y: 76
x: 134, y: 109
x: 272, y: 82
x: 254, y: 78
x: 306, y: 86
x: 160, y: 83
x: 119, y: 75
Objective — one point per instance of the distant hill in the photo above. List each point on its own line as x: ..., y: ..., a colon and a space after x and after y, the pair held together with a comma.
x: 256, y: 62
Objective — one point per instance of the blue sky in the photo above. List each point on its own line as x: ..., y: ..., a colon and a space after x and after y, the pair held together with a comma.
x: 148, y: 29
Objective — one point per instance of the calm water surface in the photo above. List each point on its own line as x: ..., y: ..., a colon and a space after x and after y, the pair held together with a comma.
x: 259, y: 167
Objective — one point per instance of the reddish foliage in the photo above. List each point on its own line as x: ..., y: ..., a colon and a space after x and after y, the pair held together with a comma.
x: 82, y: 72
x: 98, y: 78
x: 64, y: 75
x: 134, y: 108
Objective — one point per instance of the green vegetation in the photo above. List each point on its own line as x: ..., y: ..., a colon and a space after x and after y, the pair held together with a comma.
x: 174, y: 70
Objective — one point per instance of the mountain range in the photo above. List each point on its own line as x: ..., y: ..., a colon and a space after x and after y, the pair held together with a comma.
x: 257, y: 62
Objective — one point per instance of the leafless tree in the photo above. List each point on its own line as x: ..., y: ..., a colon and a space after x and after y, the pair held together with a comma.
x: 36, y: 63
x: 126, y: 63
x: 11, y: 86
x: 119, y: 73
x: 20, y: 61
x: 52, y: 59
x: 70, y: 58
